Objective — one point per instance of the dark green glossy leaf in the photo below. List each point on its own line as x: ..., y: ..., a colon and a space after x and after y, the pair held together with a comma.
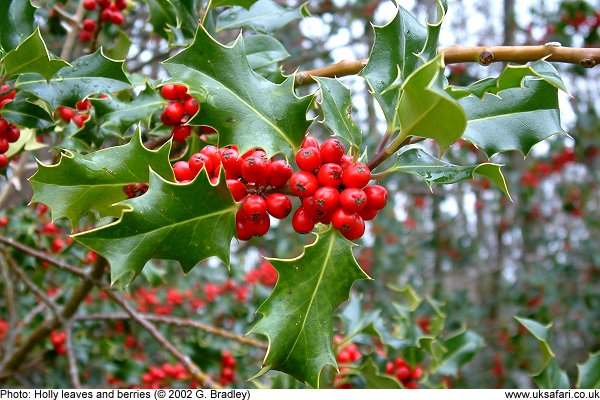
x: 297, y: 318
x: 589, y: 373
x: 26, y: 114
x: 514, y: 119
x: 336, y: 104
x: 461, y: 348
x: 88, y: 75
x: 78, y: 184
x: 542, y: 335
x: 552, y: 377
x: 186, y: 223
x: 162, y: 16
x: 32, y: 56
x: 433, y: 170
x: 245, y: 108
x: 375, y: 379
x: 16, y: 22
x: 265, y: 16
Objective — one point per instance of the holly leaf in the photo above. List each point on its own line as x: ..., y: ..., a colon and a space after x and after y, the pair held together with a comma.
x: 230, y: 3
x: 120, y: 42
x: 542, y: 334
x: 375, y: 379
x: 461, y: 348
x: 265, y: 16
x: 88, y: 75
x: 336, y: 104
x: 26, y: 114
x: 588, y: 376
x: 355, y: 319
x: 80, y: 183
x: 162, y: 16
x: 263, y: 51
x: 514, y: 119
x: 297, y: 318
x: 16, y: 22
x: 114, y: 116
x: 186, y: 223
x: 32, y: 56
x: 433, y: 170
x: 552, y: 377
x: 238, y: 100
x: 27, y: 142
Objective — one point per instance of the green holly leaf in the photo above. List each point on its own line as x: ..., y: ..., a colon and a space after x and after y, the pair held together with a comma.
x: 32, y: 56
x: 27, y: 142
x: 588, y: 376
x: 433, y: 170
x: 513, y: 76
x: 265, y: 16
x: 114, y: 116
x: 336, y: 104
x: 230, y: 3
x: 410, y: 295
x: 186, y: 223
x: 513, y: 119
x: 552, y: 377
x: 461, y: 348
x: 263, y: 51
x: 297, y: 318
x: 375, y: 379
x: 120, y: 42
x: 26, y: 114
x: 95, y: 181
x: 238, y: 100
x: 356, y: 319
x: 162, y: 16
x: 16, y: 22
x: 542, y: 335
x: 88, y: 75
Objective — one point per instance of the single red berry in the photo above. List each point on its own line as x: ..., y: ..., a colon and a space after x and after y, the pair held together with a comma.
x: 310, y: 206
x: 356, y: 230
x: 3, y: 220
x: 231, y: 163
x: 199, y: 160
x: 237, y: 189
x: 121, y: 4
x: 12, y: 134
x: 309, y: 141
x: 117, y: 18
x: 346, y: 161
x: 303, y: 184
x: 259, y: 227
x: 324, y: 217
x: 403, y: 373
x: 367, y: 214
x: 302, y: 222
x: 343, y: 357
x: 343, y: 220
x: 308, y: 158
x: 106, y: 14
x: 3, y: 145
x: 353, y: 199
x: 172, y: 114
x: 376, y: 197
x: 332, y: 151
x: 254, y: 169
x: 79, y: 120
x: 3, y: 126
x: 241, y: 226
x: 191, y: 106
x: 168, y: 92
x: 182, y: 92
x: 89, y: 25
x: 83, y: 105
x: 356, y: 175
x: 279, y: 173
x: 417, y: 372
x: 58, y: 245
x: 66, y: 113
x: 3, y: 160
x: 89, y: 4
x: 254, y: 207
x: 212, y: 152
x: 330, y: 175
x: 181, y: 132
x: 85, y: 36
x: 326, y: 199
x: 182, y: 171
x: 278, y: 205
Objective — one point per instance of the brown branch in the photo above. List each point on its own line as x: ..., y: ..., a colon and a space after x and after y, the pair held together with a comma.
x: 485, y: 55
x: 160, y: 338
x: 9, y: 293
x: 178, y: 322
x: 72, y: 36
x: 73, y: 371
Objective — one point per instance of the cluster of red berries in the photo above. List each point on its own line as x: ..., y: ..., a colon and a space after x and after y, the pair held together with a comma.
x: 77, y: 115
x: 347, y: 354
x: 110, y: 12
x: 58, y: 340
x: 265, y: 273
x: 179, y: 111
x: 228, y: 364
x: 404, y: 373
x: 8, y: 132
x: 162, y: 376
x: 334, y: 189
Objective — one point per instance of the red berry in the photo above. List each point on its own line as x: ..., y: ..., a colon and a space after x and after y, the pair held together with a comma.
x: 3, y: 126
x: 89, y: 25
x: 343, y: 220
x: 254, y: 207
x: 279, y: 173
x: 356, y: 175
x: 254, y: 169
x: 121, y: 4
x: 89, y: 4
x: 326, y: 199
x: 85, y: 36
x: 3, y: 145
x: 182, y: 92
x: 181, y: 132
x: 346, y: 161
x: 79, y: 120
x: 191, y: 106
x: 66, y: 113
x: 278, y: 205
x: 308, y: 158
x: 106, y: 14
x: 212, y: 152
x: 259, y: 227
x: 343, y: 357
x: 182, y: 171
x: 376, y: 197
x: 168, y: 92
x: 303, y: 184
x: 309, y: 141
x: 103, y: 3
x: 199, y: 160
x: 117, y: 18
x: 58, y: 245
x: 83, y: 105
x: 330, y: 175
x: 243, y: 233
x: 332, y: 151
x: 403, y: 373
x: 231, y: 163
x: 356, y: 230
x: 237, y: 189
x: 367, y: 214
x: 172, y: 114
x: 3, y: 160
x: 13, y: 134
x: 353, y: 199
x: 302, y: 222
x: 311, y: 207
x: 417, y: 372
